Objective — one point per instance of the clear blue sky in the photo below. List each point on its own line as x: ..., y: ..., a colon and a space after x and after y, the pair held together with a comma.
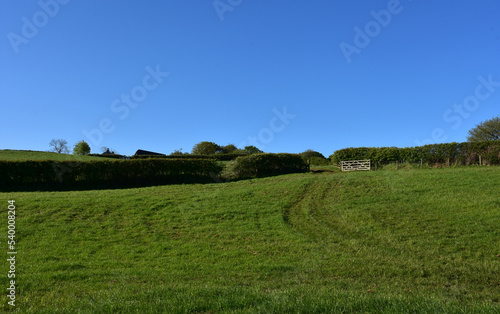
x: 294, y: 75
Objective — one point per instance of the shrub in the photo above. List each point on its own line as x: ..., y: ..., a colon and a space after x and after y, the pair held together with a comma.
x: 106, y: 173
x: 314, y: 158
x: 318, y: 161
x: 260, y: 165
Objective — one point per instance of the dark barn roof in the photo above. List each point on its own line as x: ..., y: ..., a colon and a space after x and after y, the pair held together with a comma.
x: 141, y: 152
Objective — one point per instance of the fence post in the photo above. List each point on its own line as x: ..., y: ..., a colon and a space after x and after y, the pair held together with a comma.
x: 421, y: 163
x: 480, y: 161
x: 397, y: 165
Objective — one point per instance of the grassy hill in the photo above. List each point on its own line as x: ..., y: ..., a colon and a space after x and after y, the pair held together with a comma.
x: 387, y: 241
x: 36, y: 155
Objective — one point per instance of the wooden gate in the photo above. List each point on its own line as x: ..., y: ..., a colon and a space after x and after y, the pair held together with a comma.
x: 355, y: 165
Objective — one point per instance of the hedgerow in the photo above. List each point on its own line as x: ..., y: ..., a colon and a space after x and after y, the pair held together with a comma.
x: 465, y: 153
x: 114, y: 173
x: 261, y: 165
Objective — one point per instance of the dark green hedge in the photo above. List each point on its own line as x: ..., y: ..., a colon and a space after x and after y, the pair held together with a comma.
x: 115, y: 173
x: 465, y: 153
x: 260, y: 165
x: 317, y: 161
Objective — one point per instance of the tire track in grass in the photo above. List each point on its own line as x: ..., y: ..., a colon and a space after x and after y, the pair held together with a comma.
x: 306, y: 213
x: 372, y: 227
x: 333, y: 213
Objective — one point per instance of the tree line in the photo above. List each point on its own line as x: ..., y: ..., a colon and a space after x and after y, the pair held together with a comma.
x: 488, y: 130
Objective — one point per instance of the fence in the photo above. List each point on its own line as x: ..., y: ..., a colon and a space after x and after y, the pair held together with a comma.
x: 355, y: 165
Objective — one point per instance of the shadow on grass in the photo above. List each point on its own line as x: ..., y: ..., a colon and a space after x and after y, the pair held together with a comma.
x: 323, y: 171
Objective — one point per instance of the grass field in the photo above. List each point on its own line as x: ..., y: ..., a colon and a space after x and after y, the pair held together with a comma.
x: 388, y: 241
x: 36, y: 155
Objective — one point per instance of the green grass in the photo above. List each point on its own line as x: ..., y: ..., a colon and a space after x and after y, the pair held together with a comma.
x: 414, y: 241
x: 36, y: 155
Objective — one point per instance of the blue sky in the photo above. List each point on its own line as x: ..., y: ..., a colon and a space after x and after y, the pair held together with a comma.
x: 285, y: 76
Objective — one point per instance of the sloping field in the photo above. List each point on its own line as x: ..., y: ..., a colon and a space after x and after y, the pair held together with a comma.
x: 7, y: 154
x: 387, y: 241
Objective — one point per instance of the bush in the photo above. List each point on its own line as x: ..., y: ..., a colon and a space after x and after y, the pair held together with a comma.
x: 106, y: 173
x: 314, y: 158
x: 261, y: 165
x: 318, y: 161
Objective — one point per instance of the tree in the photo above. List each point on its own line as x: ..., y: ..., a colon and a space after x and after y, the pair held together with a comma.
x: 311, y: 153
x: 178, y: 153
x: 240, y: 152
x: 206, y: 148
x: 59, y: 146
x: 252, y: 150
x: 81, y: 148
x: 488, y: 130
x: 314, y: 158
x: 228, y: 149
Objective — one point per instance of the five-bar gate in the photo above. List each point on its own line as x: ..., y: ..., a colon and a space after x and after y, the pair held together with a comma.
x: 355, y: 165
